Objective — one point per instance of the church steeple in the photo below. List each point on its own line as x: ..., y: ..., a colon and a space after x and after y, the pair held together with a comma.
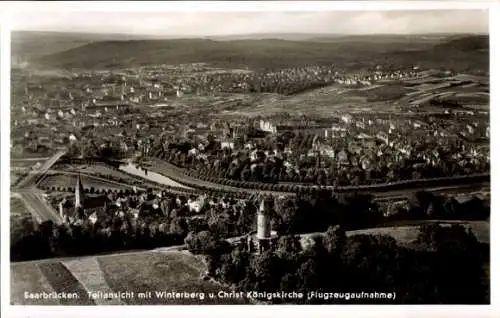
x: 79, y: 193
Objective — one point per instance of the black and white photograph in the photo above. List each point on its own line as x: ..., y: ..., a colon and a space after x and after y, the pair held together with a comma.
x: 249, y: 157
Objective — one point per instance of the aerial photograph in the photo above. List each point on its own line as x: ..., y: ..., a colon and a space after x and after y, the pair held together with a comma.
x: 250, y: 158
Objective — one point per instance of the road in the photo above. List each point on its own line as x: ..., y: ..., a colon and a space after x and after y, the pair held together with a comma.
x: 29, y: 180
x: 39, y: 207
x: 29, y: 159
x: 452, y: 189
x: 33, y: 198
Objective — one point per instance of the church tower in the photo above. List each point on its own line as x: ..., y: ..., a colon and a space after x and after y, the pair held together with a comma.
x: 79, y: 194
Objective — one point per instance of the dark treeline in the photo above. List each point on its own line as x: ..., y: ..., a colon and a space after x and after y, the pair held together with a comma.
x: 170, y: 223
x: 445, y: 265
x: 45, y: 240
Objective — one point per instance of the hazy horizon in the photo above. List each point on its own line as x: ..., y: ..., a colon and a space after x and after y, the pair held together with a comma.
x: 250, y: 34
x: 209, y: 24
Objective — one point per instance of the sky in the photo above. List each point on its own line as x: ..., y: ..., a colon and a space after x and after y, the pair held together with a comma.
x: 234, y: 23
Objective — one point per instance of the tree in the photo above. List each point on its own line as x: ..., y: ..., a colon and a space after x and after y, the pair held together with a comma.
x: 334, y: 239
x: 449, y: 238
x: 287, y: 218
x: 178, y: 226
x: 203, y: 242
x: 266, y: 271
x: 235, y: 265
x: 221, y: 225
x: 289, y: 247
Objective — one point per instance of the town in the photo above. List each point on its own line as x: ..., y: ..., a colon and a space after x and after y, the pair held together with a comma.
x: 309, y: 166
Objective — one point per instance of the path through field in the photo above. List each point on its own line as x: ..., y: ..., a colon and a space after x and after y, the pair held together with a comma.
x: 88, y: 272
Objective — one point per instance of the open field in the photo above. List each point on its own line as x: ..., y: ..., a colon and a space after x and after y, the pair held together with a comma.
x: 431, y: 94
x: 15, y: 177
x: 27, y: 155
x: 406, y: 232
x: 137, y: 272
x: 28, y: 163
x: 69, y: 181
x: 27, y: 277
x: 99, y: 170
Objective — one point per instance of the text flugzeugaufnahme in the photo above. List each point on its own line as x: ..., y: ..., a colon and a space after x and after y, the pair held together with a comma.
x: 221, y: 295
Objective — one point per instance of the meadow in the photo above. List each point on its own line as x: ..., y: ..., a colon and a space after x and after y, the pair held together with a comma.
x: 136, y: 271
x: 60, y: 180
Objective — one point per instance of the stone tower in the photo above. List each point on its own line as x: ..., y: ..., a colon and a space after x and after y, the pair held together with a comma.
x: 264, y: 224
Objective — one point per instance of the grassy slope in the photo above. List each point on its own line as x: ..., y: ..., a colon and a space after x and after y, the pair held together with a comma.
x: 28, y: 277
x: 406, y: 232
x: 171, y: 272
x: 62, y: 280
x: 150, y: 271
x: 137, y: 272
x: 275, y: 53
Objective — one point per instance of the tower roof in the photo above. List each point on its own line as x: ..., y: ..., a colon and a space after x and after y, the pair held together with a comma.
x: 79, y: 191
x: 265, y: 204
x: 262, y: 206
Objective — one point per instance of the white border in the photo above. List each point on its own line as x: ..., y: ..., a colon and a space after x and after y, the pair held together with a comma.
x: 9, y: 8
x: 214, y: 6
x: 5, y: 157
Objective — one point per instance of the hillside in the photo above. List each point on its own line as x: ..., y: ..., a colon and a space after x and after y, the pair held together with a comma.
x: 27, y: 45
x: 156, y: 270
x: 126, y: 272
x: 270, y: 54
x: 468, y: 44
